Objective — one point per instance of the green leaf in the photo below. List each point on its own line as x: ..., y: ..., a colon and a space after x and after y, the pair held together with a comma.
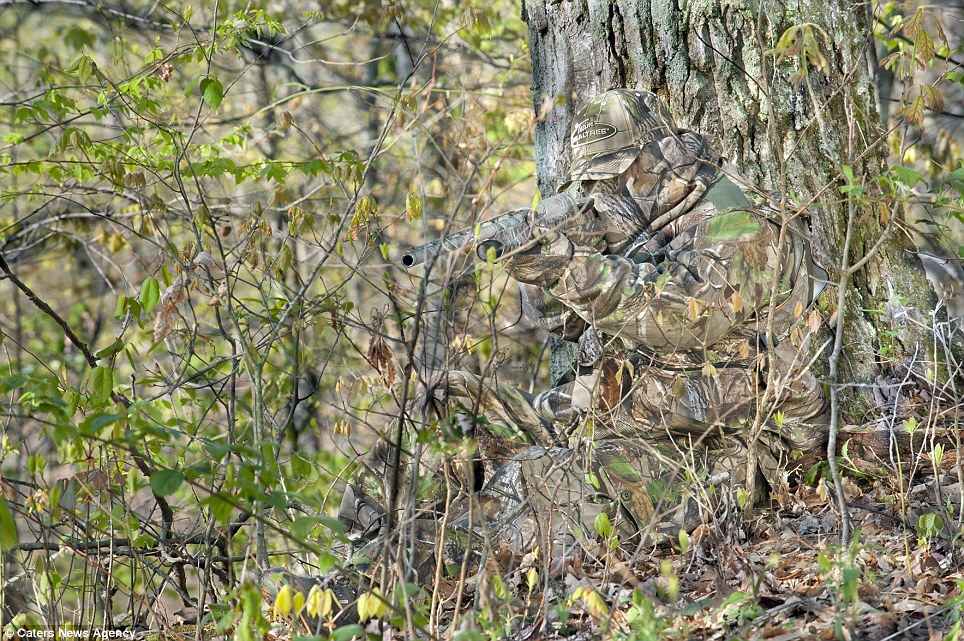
x: 220, y: 509
x: 302, y: 526
x: 851, y: 584
x: 212, y: 91
x: 83, y: 67
x: 36, y: 464
x: 603, y: 525
x: 111, y: 349
x: 121, y: 308
x: 929, y: 525
x: 850, y: 187
x: 274, y: 171
x: 337, y: 527
x: 101, y: 384
x: 150, y: 294
x: 346, y: 632
x: 95, y: 423
x: 217, y: 451
x: 316, y: 166
x: 13, y: 382
x: 166, y: 482
x: 906, y: 175
x: 8, y: 527
x: 326, y: 561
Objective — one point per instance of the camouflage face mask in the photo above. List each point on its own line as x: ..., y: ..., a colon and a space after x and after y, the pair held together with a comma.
x: 666, y: 179
x: 609, y: 130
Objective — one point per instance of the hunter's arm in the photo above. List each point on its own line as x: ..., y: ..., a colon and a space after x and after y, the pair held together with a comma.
x: 711, y: 278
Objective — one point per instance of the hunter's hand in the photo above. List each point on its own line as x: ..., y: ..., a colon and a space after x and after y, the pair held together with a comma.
x: 544, y: 263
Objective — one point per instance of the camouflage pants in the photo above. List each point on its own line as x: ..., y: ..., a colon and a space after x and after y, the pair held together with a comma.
x: 647, y: 448
x: 542, y: 497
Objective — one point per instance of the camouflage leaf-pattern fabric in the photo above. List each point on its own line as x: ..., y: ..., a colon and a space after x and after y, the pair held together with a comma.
x: 669, y: 305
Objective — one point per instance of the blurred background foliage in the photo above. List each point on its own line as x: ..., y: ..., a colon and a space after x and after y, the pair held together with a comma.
x: 213, y: 200
x: 202, y: 320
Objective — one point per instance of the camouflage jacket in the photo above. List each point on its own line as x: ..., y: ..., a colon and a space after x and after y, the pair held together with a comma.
x: 697, y: 292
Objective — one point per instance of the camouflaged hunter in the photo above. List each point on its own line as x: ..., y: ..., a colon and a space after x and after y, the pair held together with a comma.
x: 668, y: 300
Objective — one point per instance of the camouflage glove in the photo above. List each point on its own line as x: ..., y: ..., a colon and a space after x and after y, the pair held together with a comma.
x: 544, y: 263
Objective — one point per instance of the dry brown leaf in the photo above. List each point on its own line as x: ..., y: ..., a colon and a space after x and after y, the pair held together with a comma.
x: 814, y: 320
x: 851, y: 490
x: 166, y: 316
x: 381, y: 358
x: 693, y: 307
x: 737, y: 302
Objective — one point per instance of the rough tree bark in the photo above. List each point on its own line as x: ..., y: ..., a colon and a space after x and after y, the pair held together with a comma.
x: 706, y: 59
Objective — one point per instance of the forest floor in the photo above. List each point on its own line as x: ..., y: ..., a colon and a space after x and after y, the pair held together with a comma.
x: 784, y: 576
x: 781, y: 575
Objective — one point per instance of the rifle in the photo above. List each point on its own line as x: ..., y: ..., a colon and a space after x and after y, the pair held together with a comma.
x: 509, y: 231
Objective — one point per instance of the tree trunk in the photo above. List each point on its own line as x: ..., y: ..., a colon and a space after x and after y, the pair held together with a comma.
x: 707, y: 59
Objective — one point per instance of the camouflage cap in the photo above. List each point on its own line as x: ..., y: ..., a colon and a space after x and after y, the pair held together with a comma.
x: 608, y: 132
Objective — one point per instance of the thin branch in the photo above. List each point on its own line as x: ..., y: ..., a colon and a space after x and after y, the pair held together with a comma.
x: 147, y: 469
x: 46, y: 309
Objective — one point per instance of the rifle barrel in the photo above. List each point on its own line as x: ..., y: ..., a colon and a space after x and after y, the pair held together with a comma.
x: 506, y: 232
x: 484, y: 231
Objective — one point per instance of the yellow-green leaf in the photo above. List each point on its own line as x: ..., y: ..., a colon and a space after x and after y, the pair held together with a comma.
x: 283, y: 602
x: 595, y: 604
x: 913, y: 112
x: 477, y: 19
x: 933, y: 98
x: 283, y: 262
x: 693, y: 307
x: 8, y: 527
x: 320, y: 602
x: 925, y: 47
x: 604, y: 526
x: 499, y: 587
x: 532, y: 578
x: 371, y: 605
x: 737, y: 302
x: 101, y: 383
x: 413, y: 206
